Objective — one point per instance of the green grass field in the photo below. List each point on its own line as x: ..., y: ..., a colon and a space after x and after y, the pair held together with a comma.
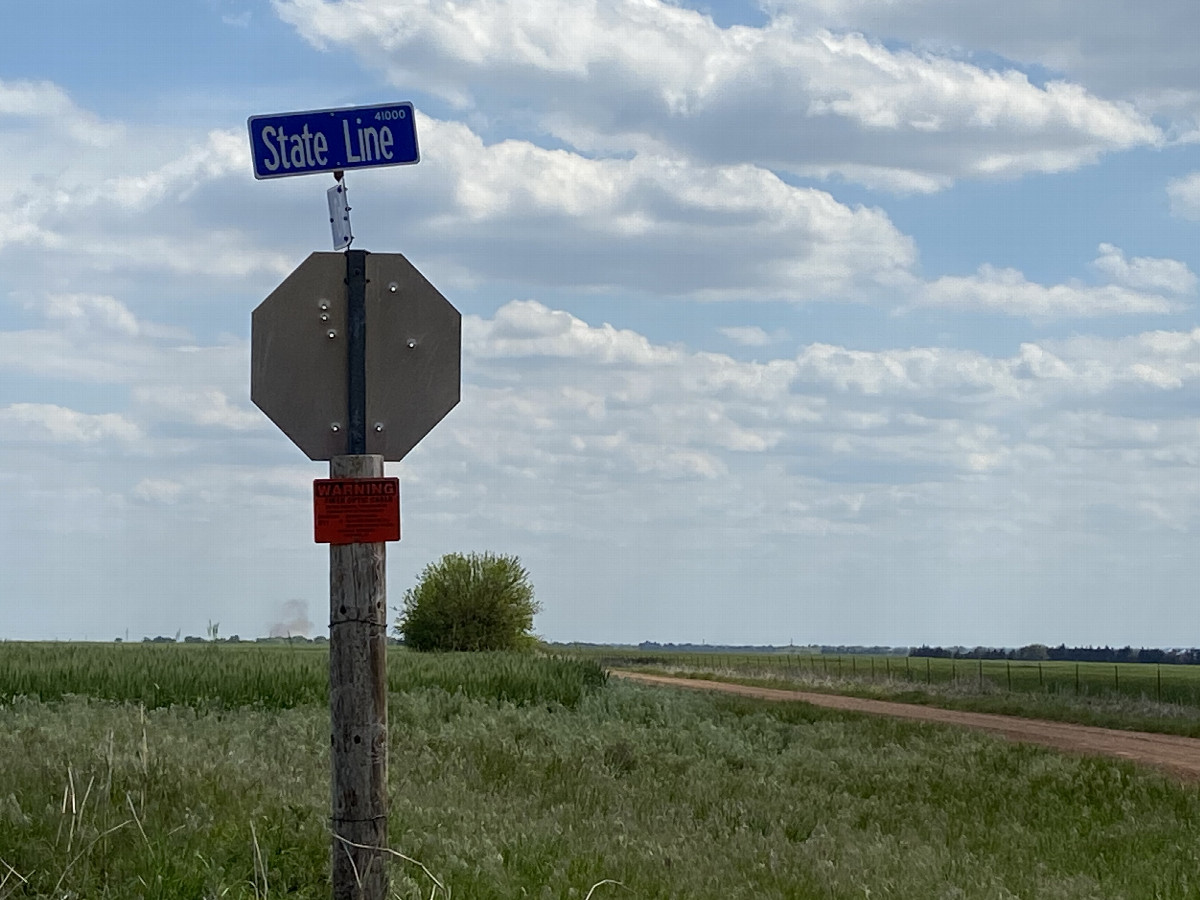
x: 201, y: 771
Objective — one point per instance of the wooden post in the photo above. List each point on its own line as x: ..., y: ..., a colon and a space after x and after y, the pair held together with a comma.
x: 358, y: 705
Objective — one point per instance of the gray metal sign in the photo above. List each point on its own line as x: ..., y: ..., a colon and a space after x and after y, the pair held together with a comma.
x: 299, y: 350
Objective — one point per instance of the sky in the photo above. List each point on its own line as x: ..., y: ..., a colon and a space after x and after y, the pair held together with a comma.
x: 792, y: 321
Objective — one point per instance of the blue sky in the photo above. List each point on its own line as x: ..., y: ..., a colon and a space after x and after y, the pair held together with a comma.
x: 819, y: 320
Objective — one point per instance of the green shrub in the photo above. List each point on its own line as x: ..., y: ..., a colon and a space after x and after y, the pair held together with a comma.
x: 478, y: 601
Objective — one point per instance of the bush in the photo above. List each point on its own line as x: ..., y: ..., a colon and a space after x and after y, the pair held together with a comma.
x: 479, y: 601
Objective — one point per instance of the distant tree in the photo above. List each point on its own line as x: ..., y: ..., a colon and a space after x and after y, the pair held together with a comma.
x: 1034, y: 652
x: 477, y: 601
x: 935, y: 652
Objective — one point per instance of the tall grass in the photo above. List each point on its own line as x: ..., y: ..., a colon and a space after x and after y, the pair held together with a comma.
x: 672, y: 794
x: 518, y: 678
x: 227, y: 676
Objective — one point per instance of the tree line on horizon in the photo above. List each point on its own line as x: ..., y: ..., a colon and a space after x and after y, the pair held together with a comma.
x: 1030, y: 652
x: 1063, y: 653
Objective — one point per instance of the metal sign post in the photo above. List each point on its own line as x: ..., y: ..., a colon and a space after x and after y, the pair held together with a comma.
x: 356, y: 396
x: 358, y: 646
x: 356, y: 351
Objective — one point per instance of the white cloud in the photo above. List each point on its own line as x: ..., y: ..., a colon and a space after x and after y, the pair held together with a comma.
x: 1184, y: 194
x: 1138, y: 286
x: 100, y: 196
x: 753, y: 335
x: 950, y: 375
x: 44, y: 101
x: 511, y: 211
x: 48, y: 422
x: 222, y: 154
x: 1145, y: 54
x: 527, y: 328
x: 645, y: 75
x: 666, y: 226
x: 206, y: 406
x: 86, y: 311
x: 1007, y: 291
x: 158, y: 490
x: 94, y: 343
x: 1165, y: 360
x: 1145, y: 273
x: 617, y: 400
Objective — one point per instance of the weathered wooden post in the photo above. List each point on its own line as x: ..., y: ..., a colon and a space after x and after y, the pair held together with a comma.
x: 358, y: 704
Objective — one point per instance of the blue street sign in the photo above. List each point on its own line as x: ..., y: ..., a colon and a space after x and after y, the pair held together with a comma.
x: 324, y: 140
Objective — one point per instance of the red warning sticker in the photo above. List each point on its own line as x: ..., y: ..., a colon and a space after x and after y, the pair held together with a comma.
x: 356, y: 510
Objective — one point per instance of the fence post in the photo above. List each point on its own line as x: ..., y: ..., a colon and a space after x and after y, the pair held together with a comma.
x: 1041, y: 682
x: 981, y: 674
x: 1158, y: 672
x: 1076, y: 679
x: 928, y: 676
x: 1116, y: 679
x: 1008, y: 673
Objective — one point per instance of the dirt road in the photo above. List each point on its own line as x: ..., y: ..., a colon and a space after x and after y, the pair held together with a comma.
x: 1179, y: 756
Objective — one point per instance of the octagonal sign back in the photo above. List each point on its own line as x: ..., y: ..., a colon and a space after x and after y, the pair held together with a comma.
x: 298, y: 356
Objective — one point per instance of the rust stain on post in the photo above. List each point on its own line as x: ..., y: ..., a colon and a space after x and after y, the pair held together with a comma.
x: 358, y: 705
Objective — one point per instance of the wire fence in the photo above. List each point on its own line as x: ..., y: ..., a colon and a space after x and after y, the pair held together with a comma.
x: 1175, y: 684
